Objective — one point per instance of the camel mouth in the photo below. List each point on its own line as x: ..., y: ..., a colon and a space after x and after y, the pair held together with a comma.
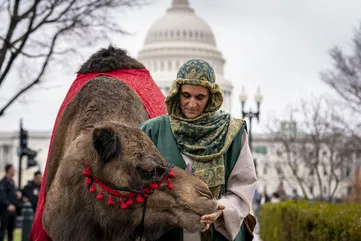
x: 194, y: 210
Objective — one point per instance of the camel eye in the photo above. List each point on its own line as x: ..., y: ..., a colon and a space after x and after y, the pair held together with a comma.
x: 147, y: 174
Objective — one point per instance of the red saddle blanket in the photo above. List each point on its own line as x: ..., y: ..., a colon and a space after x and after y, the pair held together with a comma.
x: 141, y: 82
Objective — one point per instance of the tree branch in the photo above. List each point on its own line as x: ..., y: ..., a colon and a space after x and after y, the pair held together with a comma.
x: 9, y: 34
x: 32, y: 26
x: 19, y: 49
x: 37, y: 79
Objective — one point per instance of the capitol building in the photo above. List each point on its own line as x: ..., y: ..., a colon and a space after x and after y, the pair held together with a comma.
x: 174, y: 38
x: 168, y: 44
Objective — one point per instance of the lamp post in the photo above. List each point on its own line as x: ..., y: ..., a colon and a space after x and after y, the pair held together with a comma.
x: 250, y: 114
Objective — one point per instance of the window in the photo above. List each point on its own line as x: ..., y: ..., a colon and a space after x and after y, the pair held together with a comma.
x: 169, y: 65
x: 349, y: 190
x: 196, y: 34
x: 5, y: 155
x: 348, y: 171
x: 161, y: 66
x: 261, y: 149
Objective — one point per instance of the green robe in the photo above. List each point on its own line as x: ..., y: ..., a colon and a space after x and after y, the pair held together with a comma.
x: 159, y: 131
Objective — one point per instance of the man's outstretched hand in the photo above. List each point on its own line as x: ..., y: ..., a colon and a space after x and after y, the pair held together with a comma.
x: 208, y: 219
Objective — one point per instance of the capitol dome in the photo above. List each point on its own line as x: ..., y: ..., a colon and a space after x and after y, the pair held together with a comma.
x: 176, y: 37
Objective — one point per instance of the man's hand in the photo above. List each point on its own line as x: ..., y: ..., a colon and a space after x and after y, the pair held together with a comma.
x: 11, y: 208
x: 208, y: 219
x: 18, y: 194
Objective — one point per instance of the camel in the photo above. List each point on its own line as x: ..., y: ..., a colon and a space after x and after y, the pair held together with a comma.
x: 105, y: 178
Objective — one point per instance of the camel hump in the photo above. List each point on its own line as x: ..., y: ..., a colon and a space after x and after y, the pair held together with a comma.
x: 110, y: 59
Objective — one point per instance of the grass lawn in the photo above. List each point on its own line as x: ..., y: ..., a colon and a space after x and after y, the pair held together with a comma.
x: 17, y: 235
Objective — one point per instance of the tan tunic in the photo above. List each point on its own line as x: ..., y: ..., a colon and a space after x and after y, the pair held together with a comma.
x: 241, y: 186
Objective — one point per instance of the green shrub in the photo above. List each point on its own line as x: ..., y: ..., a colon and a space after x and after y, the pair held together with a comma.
x: 303, y: 221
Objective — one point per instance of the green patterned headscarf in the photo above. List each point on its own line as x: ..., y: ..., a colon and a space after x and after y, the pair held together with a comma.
x: 204, y: 139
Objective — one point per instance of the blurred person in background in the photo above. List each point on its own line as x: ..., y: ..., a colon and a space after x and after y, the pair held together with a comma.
x: 10, y: 203
x: 31, y: 191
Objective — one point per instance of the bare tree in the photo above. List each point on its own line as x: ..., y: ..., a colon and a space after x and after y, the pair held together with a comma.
x: 345, y: 78
x: 34, y: 33
x: 314, y: 146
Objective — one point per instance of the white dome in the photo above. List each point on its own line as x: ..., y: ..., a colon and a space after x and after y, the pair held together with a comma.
x: 176, y: 37
x: 180, y: 23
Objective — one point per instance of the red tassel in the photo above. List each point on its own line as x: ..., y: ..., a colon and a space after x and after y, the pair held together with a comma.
x: 170, y: 185
x: 154, y: 186
x: 139, y: 199
x: 146, y: 192
x: 129, y: 202
x: 88, y: 181
x: 110, y: 201
x: 86, y: 172
x: 171, y: 174
x: 100, y: 195
x: 122, y: 205
x: 92, y: 189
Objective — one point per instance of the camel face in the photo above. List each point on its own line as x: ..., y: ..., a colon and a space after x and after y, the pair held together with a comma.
x: 179, y: 200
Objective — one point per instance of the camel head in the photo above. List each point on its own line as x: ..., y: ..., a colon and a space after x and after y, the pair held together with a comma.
x: 125, y: 174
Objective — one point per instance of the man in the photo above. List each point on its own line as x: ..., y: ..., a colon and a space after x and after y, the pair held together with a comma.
x: 212, y: 145
x: 31, y: 190
x: 10, y: 202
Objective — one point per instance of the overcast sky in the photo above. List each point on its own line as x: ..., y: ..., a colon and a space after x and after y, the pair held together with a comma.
x: 279, y: 45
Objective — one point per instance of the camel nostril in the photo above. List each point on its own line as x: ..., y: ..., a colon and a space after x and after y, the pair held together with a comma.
x: 205, y: 193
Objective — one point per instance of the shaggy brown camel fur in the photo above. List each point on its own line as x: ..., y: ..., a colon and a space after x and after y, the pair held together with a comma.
x: 98, y: 149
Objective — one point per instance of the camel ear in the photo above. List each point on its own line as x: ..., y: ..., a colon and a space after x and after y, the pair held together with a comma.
x: 107, y: 143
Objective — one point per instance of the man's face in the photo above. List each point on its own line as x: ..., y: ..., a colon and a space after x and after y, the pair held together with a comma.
x: 193, y: 100
x: 37, y: 179
x: 11, y: 172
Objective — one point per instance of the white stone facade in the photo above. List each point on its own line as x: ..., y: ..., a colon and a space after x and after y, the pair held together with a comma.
x: 9, y: 142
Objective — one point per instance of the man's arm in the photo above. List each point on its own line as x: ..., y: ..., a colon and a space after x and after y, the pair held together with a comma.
x: 240, y: 190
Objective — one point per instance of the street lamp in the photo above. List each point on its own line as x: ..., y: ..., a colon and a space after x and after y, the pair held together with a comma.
x: 250, y: 114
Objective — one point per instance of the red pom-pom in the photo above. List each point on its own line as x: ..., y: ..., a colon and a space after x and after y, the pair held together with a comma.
x: 129, y: 202
x: 122, y: 205
x: 139, y: 199
x: 92, y: 189
x: 86, y: 172
x: 110, y: 201
x: 100, y: 195
x: 170, y: 185
x: 171, y: 174
x: 154, y: 186
x: 88, y: 181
